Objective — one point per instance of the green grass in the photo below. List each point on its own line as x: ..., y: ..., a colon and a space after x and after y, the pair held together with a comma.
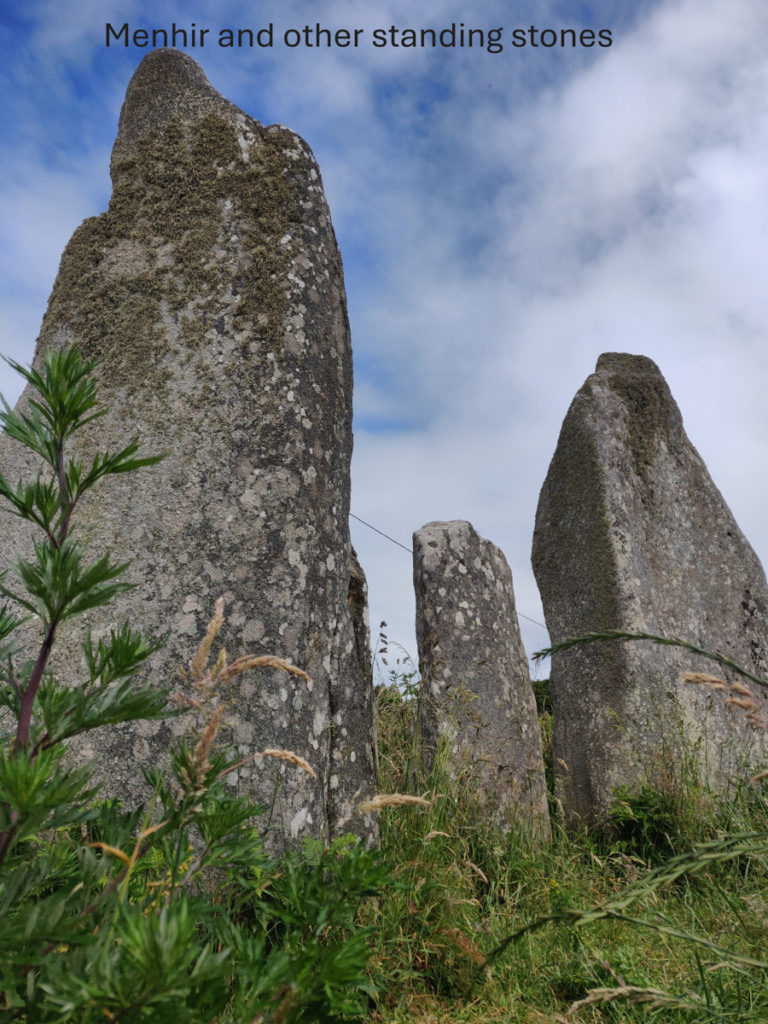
x: 174, y: 912
x: 628, y: 910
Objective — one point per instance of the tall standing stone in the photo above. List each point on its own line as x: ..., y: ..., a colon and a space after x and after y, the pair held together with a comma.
x: 477, y: 692
x: 212, y: 290
x: 632, y: 534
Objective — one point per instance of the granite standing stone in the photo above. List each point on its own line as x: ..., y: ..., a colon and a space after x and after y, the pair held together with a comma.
x: 632, y: 534
x: 212, y: 289
x: 476, y: 686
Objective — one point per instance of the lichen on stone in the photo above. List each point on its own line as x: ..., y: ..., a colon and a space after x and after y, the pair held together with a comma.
x: 163, y: 201
x: 632, y: 535
x: 211, y: 290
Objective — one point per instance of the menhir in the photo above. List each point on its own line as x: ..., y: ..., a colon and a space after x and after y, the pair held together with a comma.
x: 212, y: 291
x: 633, y: 535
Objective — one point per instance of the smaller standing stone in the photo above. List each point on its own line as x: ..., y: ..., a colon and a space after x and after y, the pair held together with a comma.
x: 476, y: 684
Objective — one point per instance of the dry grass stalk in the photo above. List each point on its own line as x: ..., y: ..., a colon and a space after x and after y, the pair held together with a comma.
x: 200, y: 754
x: 199, y: 664
x: 290, y: 757
x: 281, y: 755
x: 120, y: 854
x: 382, y: 800
x: 199, y: 763
x: 654, y: 998
x: 740, y: 688
x: 742, y: 702
x: 465, y: 944
x: 248, y: 661
x: 205, y: 678
x: 705, y: 679
x: 205, y: 681
x: 739, y: 696
x: 286, y: 1004
x: 477, y: 871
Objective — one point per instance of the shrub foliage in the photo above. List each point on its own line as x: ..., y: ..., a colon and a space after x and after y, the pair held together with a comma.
x: 171, y: 911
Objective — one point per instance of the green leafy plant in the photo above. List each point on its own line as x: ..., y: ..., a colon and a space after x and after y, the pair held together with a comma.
x: 649, y: 822
x: 171, y: 911
x: 58, y: 584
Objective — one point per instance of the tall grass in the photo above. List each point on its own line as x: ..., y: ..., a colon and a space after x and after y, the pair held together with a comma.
x: 661, y: 915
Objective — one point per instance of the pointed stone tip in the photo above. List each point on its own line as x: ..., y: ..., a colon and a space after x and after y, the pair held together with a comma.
x: 167, y: 86
x: 167, y: 65
x: 625, y: 363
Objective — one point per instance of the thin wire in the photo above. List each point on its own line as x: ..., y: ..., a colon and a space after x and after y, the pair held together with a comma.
x: 534, y: 621
x: 376, y: 530
x: 410, y: 551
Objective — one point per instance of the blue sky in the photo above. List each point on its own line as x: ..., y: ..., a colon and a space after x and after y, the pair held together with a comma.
x: 503, y: 219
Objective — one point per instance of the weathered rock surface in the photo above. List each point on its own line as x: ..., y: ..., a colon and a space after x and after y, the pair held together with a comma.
x: 632, y: 534
x: 352, y: 763
x: 212, y: 289
x: 476, y: 686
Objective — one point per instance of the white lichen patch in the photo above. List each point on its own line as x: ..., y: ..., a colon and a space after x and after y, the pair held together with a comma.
x: 298, y: 822
x: 186, y: 625
x: 253, y: 632
x: 126, y: 259
x: 246, y: 138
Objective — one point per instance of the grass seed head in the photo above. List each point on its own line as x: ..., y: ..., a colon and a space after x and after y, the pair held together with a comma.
x: 705, y: 679
x: 290, y: 757
x: 198, y: 664
x: 382, y: 800
x: 240, y: 665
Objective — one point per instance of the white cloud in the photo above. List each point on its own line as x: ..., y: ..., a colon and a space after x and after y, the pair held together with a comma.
x: 503, y: 220
x: 642, y: 229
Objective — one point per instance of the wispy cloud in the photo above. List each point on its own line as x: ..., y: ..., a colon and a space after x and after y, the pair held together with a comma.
x: 503, y: 219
